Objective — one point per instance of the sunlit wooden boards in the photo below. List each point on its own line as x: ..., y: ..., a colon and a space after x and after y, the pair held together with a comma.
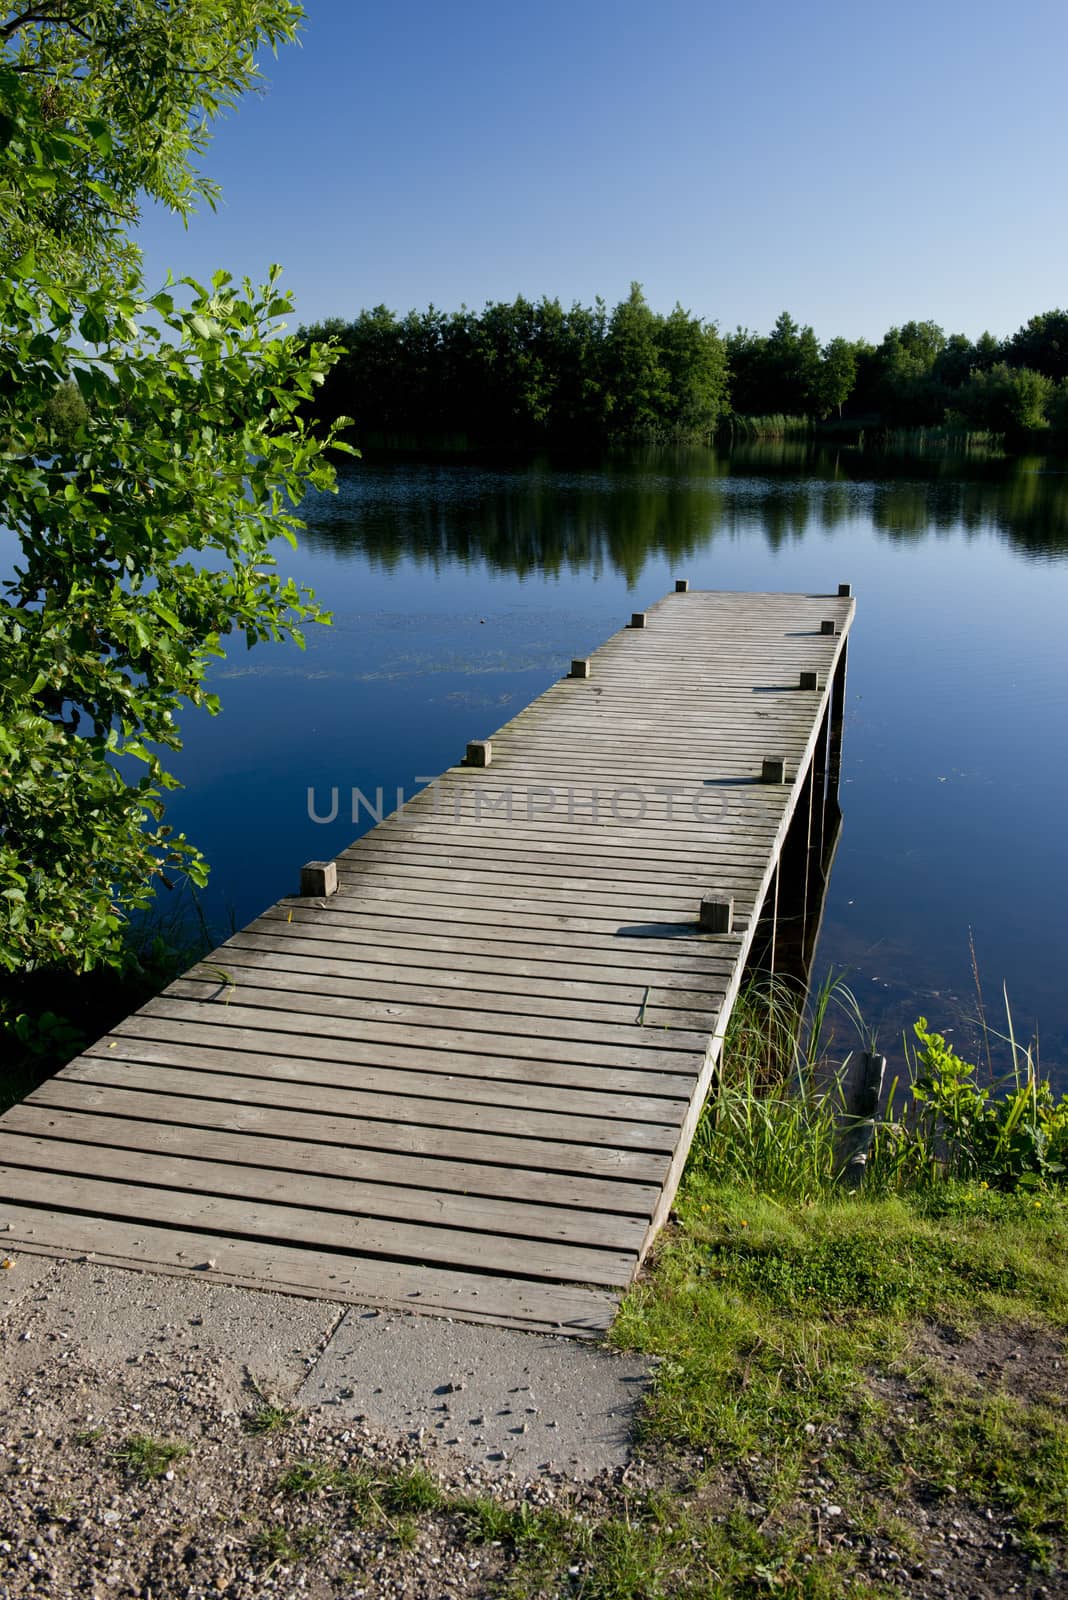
x: 466, y: 1082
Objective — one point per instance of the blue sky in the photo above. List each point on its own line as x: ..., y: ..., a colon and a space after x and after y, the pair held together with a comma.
x: 858, y: 165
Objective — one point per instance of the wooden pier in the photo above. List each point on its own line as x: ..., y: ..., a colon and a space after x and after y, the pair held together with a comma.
x: 465, y: 1080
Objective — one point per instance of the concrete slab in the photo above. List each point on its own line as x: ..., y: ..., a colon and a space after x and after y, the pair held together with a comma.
x: 506, y: 1401
x: 109, y: 1321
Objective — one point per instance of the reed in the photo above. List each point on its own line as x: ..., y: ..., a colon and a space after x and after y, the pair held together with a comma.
x: 776, y: 425
x: 773, y: 1121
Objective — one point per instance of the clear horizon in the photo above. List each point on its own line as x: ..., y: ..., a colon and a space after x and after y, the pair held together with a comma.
x: 857, y: 170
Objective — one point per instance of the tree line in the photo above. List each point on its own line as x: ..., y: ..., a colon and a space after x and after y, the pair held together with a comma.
x: 530, y: 372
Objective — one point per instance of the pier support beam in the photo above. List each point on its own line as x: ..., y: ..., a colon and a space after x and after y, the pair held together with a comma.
x: 836, y: 720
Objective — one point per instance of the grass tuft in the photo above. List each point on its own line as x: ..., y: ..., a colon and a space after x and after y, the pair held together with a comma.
x: 146, y: 1458
x: 268, y: 1418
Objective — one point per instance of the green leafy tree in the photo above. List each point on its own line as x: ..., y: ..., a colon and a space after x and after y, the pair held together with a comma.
x: 153, y: 449
x: 908, y: 388
x: 1004, y: 399
x: 1057, y: 413
x: 694, y: 361
x: 638, y: 383
x: 1042, y: 345
x: 794, y: 356
x: 837, y: 376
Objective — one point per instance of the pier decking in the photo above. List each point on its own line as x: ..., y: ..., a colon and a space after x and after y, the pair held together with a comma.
x: 466, y: 1081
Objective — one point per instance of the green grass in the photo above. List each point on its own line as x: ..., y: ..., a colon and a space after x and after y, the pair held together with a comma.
x: 145, y: 1457
x: 88, y: 1436
x: 782, y: 1304
x: 391, y: 1501
x: 775, y: 425
x: 771, y: 1313
x: 650, y: 1548
x: 268, y: 1418
x: 276, y: 1544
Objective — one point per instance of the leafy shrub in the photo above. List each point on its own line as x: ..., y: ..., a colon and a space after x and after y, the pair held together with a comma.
x: 1008, y: 1139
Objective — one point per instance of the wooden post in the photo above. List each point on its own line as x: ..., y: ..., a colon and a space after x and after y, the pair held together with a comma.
x: 717, y: 916
x: 773, y: 770
x: 809, y: 680
x: 845, y: 590
x: 318, y: 878
x: 682, y: 585
x: 579, y: 669
x: 819, y: 788
x: 833, y: 810
x: 827, y: 625
x: 862, y: 1104
x: 638, y: 619
x: 479, y: 753
x: 792, y: 908
x: 761, y: 956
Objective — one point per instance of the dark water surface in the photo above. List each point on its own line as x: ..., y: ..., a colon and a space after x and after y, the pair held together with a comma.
x: 461, y: 591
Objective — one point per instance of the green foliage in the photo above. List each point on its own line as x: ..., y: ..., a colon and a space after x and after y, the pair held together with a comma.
x: 803, y: 1298
x: 1017, y: 1137
x: 1042, y: 345
x: 104, y: 101
x: 153, y: 450
x: 774, y: 1118
x: 532, y: 373
x: 783, y: 372
x: 375, y: 1497
x: 1005, y: 399
x: 1057, y: 413
x: 776, y: 425
x: 145, y: 1457
x: 837, y: 376
x: 275, y: 1543
x: 525, y: 373
x: 268, y: 1418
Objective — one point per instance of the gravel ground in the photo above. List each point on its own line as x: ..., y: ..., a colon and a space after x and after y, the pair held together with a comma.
x: 93, y: 1357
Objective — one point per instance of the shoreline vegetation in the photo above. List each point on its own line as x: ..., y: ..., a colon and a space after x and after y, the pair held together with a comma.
x: 528, y: 374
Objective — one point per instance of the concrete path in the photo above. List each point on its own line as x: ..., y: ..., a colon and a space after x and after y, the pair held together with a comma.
x: 497, y: 1399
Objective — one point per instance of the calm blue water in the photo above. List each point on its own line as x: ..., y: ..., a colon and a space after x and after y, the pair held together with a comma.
x: 460, y: 593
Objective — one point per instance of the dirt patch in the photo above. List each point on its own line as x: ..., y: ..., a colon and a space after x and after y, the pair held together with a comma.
x: 1030, y: 1363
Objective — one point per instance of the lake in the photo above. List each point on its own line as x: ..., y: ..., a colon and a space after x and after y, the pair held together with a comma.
x: 460, y: 591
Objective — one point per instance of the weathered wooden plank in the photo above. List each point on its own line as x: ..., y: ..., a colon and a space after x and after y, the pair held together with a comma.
x: 330, y: 1017
x: 534, y: 859
x: 236, y: 1165
x: 518, y: 892
x: 396, y: 900
x: 248, y: 1051
x: 628, y: 989
x: 516, y: 1122
x: 316, y: 1273
x: 247, y: 970
x: 187, y: 1126
x: 665, y: 946
x: 471, y: 1091
x: 366, y: 1236
x: 601, y: 847
x: 204, y: 1101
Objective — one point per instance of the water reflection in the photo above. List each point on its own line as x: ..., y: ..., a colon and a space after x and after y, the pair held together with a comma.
x: 545, y: 517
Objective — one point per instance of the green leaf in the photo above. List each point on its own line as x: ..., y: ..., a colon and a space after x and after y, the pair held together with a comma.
x: 101, y: 136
